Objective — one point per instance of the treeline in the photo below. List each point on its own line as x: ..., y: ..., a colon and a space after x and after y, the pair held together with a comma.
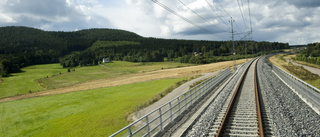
x: 22, y: 46
x: 311, y: 54
x: 155, y: 50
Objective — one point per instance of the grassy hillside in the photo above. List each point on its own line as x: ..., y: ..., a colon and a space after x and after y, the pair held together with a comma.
x: 98, y: 112
x: 25, y: 82
x: 23, y: 46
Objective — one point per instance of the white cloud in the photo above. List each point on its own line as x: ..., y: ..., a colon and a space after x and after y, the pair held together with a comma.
x: 6, y: 18
x: 292, y: 21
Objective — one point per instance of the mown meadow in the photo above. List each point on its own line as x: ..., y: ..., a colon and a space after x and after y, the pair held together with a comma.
x: 98, y: 112
x: 25, y: 81
x: 50, y: 76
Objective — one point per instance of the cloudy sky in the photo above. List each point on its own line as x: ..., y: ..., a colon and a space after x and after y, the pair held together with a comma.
x: 290, y: 21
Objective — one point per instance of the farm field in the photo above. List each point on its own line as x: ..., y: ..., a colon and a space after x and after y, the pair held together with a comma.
x: 106, y: 70
x: 97, y: 112
x: 143, y: 73
x: 34, y: 78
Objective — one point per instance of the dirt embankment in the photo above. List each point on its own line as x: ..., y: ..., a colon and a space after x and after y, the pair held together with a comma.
x: 132, y: 78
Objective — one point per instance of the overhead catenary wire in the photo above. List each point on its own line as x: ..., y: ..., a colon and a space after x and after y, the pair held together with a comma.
x: 243, y: 9
x: 184, y: 18
x: 223, y: 8
x: 245, y: 33
x: 245, y: 25
x: 217, y: 14
x: 205, y: 29
x: 200, y: 16
x: 250, y: 17
x: 227, y: 14
x: 180, y: 16
x: 230, y: 17
x: 244, y: 17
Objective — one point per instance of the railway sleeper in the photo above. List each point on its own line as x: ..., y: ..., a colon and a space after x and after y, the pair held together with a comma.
x: 251, y: 118
x: 242, y: 121
x: 242, y: 127
x: 247, y: 132
x: 243, y: 115
x: 240, y: 135
x: 244, y: 112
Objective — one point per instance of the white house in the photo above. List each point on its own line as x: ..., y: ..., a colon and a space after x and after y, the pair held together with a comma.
x: 105, y: 60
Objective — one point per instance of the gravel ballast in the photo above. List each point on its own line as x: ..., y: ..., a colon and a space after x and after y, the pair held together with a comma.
x: 202, y: 126
x: 290, y: 115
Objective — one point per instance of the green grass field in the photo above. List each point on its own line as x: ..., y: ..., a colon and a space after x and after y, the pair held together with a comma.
x: 98, y: 112
x: 108, y: 70
x: 25, y: 82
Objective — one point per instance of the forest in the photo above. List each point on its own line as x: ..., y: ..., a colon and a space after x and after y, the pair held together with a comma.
x: 23, y: 46
x: 311, y: 54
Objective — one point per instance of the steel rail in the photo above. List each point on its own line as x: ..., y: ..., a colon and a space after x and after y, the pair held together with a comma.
x: 223, y: 123
x: 256, y: 89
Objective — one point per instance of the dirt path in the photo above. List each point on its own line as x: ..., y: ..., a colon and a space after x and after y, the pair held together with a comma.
x: 132, y: 78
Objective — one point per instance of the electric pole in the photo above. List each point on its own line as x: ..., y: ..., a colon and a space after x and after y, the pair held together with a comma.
x: 233, y: 50
x: 246, y: 49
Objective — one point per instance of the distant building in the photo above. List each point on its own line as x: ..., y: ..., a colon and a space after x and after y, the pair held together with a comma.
x: 196, y: 53
x: 105, y: 60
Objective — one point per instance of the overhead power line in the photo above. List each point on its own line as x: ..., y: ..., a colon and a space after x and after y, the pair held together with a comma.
x: 200, y: 16
x: 205, y: 29
x: 223, y: 8
x: 245, y: 25
x: 180, y: 16
x: 250, y: 16
x: 238, y: 34
x: 217, y: 14
x: 184, y: 18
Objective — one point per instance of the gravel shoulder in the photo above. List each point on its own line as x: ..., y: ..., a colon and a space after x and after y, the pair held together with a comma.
x: 290, y: 115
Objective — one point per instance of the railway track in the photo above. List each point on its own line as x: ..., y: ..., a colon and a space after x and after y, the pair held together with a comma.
x: 242, y: 115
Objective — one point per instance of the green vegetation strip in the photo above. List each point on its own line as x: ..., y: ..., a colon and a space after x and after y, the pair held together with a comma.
x: 98, y: 112
x: 297, y: 71
x: 25, y: 82
x: 304, y: 74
